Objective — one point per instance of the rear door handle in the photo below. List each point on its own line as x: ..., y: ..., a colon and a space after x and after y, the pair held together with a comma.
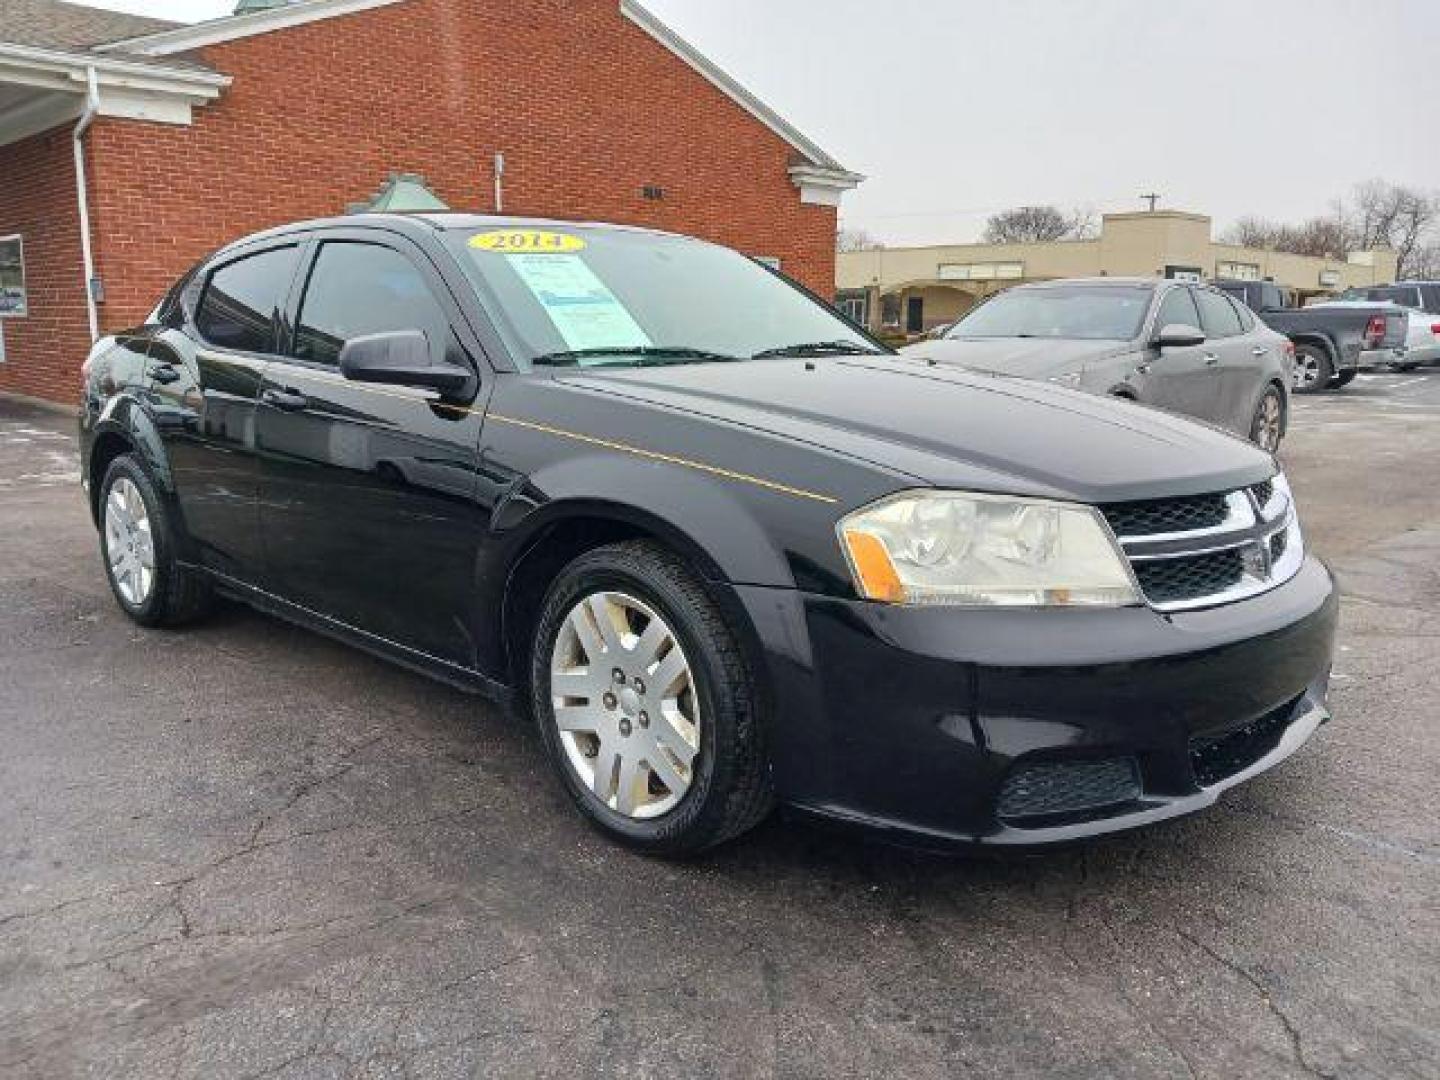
x: 1211, y: 359
x: 164, y: 374
x: 286, y: 400
x: 1259, y: 350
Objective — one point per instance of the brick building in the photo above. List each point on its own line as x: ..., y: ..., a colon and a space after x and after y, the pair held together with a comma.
x: 174, y: 139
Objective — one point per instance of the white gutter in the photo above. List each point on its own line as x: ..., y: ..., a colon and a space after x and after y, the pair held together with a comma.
x: 92, y: 107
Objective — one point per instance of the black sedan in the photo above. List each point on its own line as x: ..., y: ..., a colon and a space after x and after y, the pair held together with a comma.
x: 724, y: 548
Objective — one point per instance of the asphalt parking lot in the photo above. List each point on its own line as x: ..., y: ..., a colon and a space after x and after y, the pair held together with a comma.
x: 244, y: 850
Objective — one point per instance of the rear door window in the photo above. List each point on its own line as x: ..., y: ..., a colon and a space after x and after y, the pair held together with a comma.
x: 1247, y: 319
x: 1218, y: 316
x: 1177, y: 309
x: 240, y: 305
x: 357, y: 289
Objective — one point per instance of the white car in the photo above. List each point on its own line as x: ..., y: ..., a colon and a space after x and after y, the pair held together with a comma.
x: 1422, y: 340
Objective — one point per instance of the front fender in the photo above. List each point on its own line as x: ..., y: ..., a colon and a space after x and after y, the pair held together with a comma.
x: 708, y: 518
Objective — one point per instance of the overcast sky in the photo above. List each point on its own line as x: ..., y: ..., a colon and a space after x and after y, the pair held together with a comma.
x: 958, y: 108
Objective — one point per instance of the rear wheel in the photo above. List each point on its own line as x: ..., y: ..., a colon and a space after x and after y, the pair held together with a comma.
x: 645, y: 702
x: 138, y: 542
x: 1313, y: 370
x: 1268, y: 426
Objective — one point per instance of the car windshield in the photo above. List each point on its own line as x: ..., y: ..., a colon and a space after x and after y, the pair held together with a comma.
x: 1083, y: 312
x: 577, y: 296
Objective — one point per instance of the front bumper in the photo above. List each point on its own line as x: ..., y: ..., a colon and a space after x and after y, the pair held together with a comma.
x: 922, y: 722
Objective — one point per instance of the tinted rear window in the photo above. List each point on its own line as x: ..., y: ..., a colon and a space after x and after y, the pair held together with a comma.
x: 238, y: 308
x: 242, y: 298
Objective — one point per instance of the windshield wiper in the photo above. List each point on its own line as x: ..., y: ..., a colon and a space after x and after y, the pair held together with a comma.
x: 820, y: 348
x: 647, y: 355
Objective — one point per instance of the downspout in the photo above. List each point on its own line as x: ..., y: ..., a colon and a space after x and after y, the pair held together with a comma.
x: 92, y: 107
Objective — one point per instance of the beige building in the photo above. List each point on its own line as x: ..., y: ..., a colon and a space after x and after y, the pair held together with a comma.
x: 915, y: 289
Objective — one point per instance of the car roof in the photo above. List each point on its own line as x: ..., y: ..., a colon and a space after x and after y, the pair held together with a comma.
x: 440, y: 222
x: 1125, y: 282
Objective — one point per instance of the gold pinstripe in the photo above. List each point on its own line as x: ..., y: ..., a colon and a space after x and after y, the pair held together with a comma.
x: 591, y: 440
x: 669, y: 459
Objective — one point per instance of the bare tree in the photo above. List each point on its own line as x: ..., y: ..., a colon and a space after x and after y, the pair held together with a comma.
x: 1084, y: 224
x: 848, y: 239
x: 1026, y: 225
x: 1382, y: 214
x: 1377, y: 214
x: 1252, y: 232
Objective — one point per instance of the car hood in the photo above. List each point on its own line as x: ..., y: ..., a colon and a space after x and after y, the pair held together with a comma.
x: 951, y: 427
x: 1033, y: 358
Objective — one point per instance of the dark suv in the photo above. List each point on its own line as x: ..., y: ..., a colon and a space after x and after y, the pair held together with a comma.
x: 723, y: 547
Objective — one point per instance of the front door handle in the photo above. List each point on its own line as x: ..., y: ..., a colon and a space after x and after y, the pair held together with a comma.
x: 164, y: 374
x: 1259, y: 350
x: 286, y: 400
x: 1211, y: 359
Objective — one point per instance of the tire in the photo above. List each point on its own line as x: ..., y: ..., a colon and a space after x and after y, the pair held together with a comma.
x: 1345, y: 378
x: 1313, y: 369
x: 726, y: 789
x: 169, y: 594
x: 1267, y: 428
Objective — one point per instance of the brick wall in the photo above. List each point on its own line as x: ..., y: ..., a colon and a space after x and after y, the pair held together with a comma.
x: 44, y: 349
x: 586, y: 107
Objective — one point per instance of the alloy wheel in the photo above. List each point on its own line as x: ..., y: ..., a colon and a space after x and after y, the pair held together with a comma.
x: 129, y: 544
x: 1269, y: 422
x: 1306, y: 371
x: 625, y: 704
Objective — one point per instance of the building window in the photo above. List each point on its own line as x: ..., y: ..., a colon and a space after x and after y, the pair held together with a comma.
x: 890, y: 310
x: 988, y: 271
x: 13, y: 301
x: 1238, y: 270
x: 855, y: 307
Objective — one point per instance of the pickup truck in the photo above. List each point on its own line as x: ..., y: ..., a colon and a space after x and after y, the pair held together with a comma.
x: 1328, y: 341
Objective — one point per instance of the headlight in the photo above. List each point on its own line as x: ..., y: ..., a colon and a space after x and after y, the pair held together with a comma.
x: 948, y: 548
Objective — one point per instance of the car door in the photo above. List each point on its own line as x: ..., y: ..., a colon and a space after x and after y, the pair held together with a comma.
x: 367, y: 492
x: 203, y: 382
x: 1227, y: 347
x: 1179, y: 378
x: 1247, y: 362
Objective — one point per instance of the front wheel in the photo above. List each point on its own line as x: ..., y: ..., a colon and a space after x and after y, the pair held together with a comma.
x: 1313, y: 370
x: 646, y: 704
x: 1268, y: 426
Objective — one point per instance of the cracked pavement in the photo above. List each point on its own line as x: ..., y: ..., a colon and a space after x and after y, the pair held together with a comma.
x: 246, y: 851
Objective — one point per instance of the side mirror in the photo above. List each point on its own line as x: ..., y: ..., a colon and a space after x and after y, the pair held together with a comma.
x: 1178, y: 336
x: 400, y: 358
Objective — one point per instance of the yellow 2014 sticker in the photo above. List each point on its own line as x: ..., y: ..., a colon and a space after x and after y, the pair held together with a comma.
x: 527, y: 242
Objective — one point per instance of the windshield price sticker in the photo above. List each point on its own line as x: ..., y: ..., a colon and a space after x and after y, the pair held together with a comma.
x: 527, y: 242
x: 585, y: 312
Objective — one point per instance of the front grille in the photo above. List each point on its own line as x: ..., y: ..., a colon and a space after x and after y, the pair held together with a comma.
x: 1278, y: 543
x: 1190, y: 577
x: 1154, y: 516
x: 1067, y: 787
x: 1263, y: 492
x: 1215, y: 757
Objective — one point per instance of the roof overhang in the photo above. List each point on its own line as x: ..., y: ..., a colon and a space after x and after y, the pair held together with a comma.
x: 40, y: 88
x: 821, y: 179
x: 231, y: 27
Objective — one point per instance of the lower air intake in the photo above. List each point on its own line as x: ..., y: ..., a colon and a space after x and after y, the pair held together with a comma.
x: 1068, y: 787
